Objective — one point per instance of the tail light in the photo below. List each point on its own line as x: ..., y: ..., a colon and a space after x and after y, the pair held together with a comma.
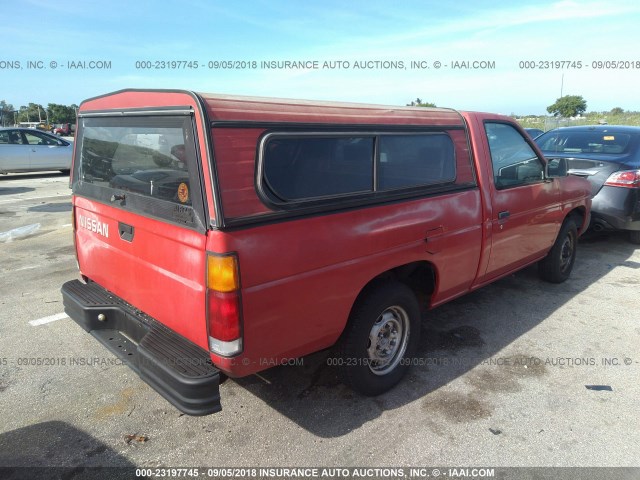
x: 224, y: 309
x: 624, y: 178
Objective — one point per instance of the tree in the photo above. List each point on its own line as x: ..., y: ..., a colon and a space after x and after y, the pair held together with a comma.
x: 61, y: 113
x: 568, y: 106
x: 6, y: 113
x: 32, y: 113
x: 616, y: 111
x: 419, y: 103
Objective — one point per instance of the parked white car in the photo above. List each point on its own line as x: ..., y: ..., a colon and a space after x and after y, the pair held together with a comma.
x: 29, y: 150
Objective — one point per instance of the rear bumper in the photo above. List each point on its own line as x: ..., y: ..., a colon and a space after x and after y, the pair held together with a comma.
x: 177, y: 369
x: 616, y: 208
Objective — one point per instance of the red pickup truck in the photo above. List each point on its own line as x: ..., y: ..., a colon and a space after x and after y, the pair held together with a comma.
x: 219, y: 235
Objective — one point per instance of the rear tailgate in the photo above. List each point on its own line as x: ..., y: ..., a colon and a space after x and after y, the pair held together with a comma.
x: 139, y: 215
x: 155, y: 266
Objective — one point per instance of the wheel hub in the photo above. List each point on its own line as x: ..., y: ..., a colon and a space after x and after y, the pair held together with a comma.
x: 388, y: 340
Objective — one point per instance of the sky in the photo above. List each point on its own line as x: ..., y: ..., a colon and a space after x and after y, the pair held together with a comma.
x: 497, y: 56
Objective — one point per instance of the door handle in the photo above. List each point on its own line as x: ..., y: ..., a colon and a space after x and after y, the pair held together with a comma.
x: 126, y: 231
x: 503, y: 215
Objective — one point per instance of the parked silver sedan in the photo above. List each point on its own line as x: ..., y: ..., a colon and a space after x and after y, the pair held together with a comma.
x: 30, y: 150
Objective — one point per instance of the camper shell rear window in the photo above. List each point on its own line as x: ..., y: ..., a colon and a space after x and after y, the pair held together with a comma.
x: 142, y: 163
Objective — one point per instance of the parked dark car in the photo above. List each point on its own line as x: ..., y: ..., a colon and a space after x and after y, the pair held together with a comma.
x: 534, y: 132
x: 609, y: 157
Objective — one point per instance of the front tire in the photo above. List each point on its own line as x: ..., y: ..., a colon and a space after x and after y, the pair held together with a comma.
x: 557, y: 265
x: 380, y: 339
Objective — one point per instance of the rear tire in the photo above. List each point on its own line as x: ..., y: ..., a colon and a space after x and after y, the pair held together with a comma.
x: 634, y: 237
x: 557, y: 265
x: 380, y: 339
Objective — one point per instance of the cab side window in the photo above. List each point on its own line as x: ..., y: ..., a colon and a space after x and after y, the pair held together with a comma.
x: 514, y: 161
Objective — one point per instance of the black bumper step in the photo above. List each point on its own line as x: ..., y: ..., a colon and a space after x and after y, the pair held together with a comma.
x: 176, y: 368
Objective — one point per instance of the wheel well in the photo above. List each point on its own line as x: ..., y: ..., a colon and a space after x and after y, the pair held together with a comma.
x: 578, y: 214
x: 419, y: 276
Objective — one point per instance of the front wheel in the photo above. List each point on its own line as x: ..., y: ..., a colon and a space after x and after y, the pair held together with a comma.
x: 557, y: 265
x: 380, y: 339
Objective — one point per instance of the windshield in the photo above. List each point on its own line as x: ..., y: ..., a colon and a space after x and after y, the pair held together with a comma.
x: 576, y: 142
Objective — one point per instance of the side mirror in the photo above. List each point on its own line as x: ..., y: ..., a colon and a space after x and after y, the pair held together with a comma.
x: 556, y: 167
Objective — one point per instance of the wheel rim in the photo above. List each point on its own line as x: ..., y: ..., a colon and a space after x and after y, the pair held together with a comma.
x: 566, y: 253
x: 388, y: 340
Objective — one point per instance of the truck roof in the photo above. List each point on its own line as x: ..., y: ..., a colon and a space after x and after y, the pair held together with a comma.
x: 236, y: 108
x: 241, y: 108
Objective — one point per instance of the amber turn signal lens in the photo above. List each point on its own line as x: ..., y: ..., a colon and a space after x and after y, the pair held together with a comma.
x: 222, y: 273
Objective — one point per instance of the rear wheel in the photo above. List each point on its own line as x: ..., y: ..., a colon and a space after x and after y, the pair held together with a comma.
x: 557, y: 265
x: 634, y: 236
x: 380, y: 338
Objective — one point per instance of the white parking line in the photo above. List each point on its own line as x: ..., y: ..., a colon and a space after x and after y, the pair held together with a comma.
x: 49, y: 319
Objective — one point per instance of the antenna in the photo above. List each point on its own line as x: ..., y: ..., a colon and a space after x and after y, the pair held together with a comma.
x: 561, y: 85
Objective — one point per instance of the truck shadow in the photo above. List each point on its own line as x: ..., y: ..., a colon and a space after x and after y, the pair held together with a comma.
x: 455, y: 338
x: 56, y: 449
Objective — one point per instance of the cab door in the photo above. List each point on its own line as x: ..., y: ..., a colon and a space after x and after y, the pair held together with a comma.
x: 525, y: 207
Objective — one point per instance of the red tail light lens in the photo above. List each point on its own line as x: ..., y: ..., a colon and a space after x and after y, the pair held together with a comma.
x: 624, y: 178
x: 224, y: 316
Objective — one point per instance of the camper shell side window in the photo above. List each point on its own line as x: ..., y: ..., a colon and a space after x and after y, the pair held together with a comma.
x: 299, y: 167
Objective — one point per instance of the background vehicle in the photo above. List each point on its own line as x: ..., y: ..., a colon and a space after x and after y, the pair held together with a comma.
x: 65, y: 129
x: 609, y: 157
x: 534, y: 132
x: 30, y: 150
x: 219, y: 236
